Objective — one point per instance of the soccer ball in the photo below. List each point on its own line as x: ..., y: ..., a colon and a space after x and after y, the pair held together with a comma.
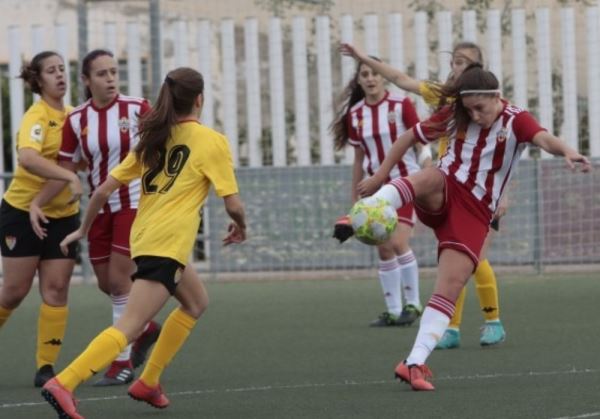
x: 373, y: 220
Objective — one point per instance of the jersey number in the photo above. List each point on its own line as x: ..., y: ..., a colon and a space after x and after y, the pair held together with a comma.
x: 172, y: 165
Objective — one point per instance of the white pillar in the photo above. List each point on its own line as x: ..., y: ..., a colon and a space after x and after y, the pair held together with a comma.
x: 494, y: 43
x: 134, y: 60
x: 301, y: 91
x: 444, y: 22
x: 230, y: 120
x: 277, y: 91
x: 421, y: 57
x: 110, y: 38
x: 348, y: 69
x: 38, y: 44
x: 519, y: 59
x: 570, y: 128
x: 325, y: 93
x: 15, y: 86
x: 593, y: 53
x: 205, y: 67
x: 396, y: 46
x: 62, y: 47
x: 182, y: 51
x: 544, y: 66
x: 469, y: 26
x: 371, y: 34
x: 253, y: 102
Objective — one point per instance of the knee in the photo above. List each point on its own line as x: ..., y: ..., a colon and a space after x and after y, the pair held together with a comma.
x: 196, y: 307
x: 55, y: 295
x: 11, y: 297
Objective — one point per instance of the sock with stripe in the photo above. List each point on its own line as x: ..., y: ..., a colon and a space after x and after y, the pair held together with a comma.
x: 460, y: 305
x: 52, y: 323
x: 389, y: 277
x: 100, y: 352
x: 487, y: 290
x: 4, y: 315
x: 409, y: 272
x: 118, y: 307
x: 398, y: 192
x: 434, y: 322
x: 175, y: 332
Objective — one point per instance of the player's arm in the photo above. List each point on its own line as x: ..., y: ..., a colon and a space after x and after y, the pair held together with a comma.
x: 399, y: 148
x: 357, y: 172
x: 393, y: 75
x: 237, y: 229
x: 557, y: 147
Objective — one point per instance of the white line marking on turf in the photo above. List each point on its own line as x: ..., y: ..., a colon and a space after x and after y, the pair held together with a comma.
x: 585, y: 415
x: 338, y: 384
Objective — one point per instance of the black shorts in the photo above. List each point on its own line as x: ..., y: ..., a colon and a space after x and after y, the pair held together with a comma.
x: 19, y: 240
x: 167, y: 271
x: 495, y: 224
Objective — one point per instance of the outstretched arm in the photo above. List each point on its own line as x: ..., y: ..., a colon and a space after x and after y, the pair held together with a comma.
x: 391, y: 74
x: 556, y: 146
x: 235, y: 210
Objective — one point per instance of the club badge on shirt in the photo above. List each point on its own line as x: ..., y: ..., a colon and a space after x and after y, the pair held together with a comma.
x: 391, y: 117
x: 36, y: 133
x: 11, y: 242
x: 124, y: 124
x: 502, y: 135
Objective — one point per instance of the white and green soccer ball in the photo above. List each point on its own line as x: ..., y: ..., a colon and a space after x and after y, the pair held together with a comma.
x: 373, y: 220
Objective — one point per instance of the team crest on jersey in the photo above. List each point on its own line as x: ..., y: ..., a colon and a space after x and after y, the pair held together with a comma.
x: 392, y: 117
x: 11, y: 242
x: 36, y: 133
x: 502, y: 135
x: 124, y: 124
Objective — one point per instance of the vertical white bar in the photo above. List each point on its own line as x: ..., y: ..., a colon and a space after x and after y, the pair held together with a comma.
x: 15, y: 86
x: 469, y: 26
x: 38, y: 39
x: 494, y: 43
x: 396, y: 46
x: 301, y: 91
x: 371, y: 34
x: 544, y: 66
x: 277, y: 90
x: 421, y: 55
x: 570, y: 127
x: 62, y: 47
x: 325, y: 92
x: 181, y: 44
x: 204, y: 35
x: 444, y: 23
x: 110, y: 37
x: 1, y: 140
x: 134, y: 60
x: 593, y: 53
x: 230, y: 120
x: 519, y: 59
x: 253, y: 102
x: 348, y: 69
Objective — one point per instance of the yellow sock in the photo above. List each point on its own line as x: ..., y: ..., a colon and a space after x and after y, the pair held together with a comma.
x: 52, y: 323
x: 487, y: 290
x: 456, y: 320
x: 100, y: 352
x: 4, y: 315
x: 173, y: 335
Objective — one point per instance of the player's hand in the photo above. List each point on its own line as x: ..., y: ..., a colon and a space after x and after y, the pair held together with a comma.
x: 501, y: 209
x: 36, y: 217
x: 349, y: 51
x: 235, y: 234
x: 572, y: 157
x: 342, y: 230
x: 70, y: 238
x: 368, y: 186
x: 76, y: 189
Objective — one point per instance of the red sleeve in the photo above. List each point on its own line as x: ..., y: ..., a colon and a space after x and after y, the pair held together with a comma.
x: 525, y: 126
x: 409, y: 114
x: 145, y: 107
x: 352, y: 134
x: 436, y: 126
x: 70, y: 142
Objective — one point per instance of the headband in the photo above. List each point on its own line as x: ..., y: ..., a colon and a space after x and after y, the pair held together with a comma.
x: 479, y: 92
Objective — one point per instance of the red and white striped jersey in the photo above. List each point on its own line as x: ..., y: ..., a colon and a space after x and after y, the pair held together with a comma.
x: 483, y: 159
x: 104, y: 137
x: 374, y: 128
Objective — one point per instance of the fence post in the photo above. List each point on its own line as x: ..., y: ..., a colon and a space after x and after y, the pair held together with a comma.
x: 538, y: 242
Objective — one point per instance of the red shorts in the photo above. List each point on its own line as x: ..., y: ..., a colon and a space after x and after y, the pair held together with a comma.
x: 110, y: 233
x: 461, y: 222
x: 406, y: 215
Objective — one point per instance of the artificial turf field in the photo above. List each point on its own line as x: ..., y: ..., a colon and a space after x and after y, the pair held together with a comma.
x: 302, y: 349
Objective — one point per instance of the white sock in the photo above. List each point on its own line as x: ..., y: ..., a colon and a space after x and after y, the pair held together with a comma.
x: 434, y: 322
x: 389, y: 277
x: 409, y: 272
x: 398, y: 192
x: 118, y: 307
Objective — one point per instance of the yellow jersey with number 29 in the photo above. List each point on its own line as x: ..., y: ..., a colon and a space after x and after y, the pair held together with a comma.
x: 168, y: 214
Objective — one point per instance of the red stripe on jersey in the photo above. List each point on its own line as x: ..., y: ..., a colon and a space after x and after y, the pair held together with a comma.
x: 103, y: 145
x: 497, y: 161
x: 476, y: 158
x: 458, y: 145
x: 125, y: 141
x: 394, y: 135
x: 376, y: 134
x: 361, y: 135
x: 83, y: 126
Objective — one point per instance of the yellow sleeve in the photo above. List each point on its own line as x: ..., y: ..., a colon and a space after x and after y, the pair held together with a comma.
x: 442, y: 146
x: 128, y: 170
x: 218, y: 167
x: 430, y: 92
x: 33, y: 129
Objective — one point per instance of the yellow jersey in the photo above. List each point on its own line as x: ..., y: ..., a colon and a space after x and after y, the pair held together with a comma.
x: 41, y: 129
x: 168, y: 214
x: 430, y: 91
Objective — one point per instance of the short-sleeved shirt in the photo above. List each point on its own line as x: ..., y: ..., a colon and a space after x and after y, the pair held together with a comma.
x: 168, y: 216
x: 374, y: 128
x: 41, y: 130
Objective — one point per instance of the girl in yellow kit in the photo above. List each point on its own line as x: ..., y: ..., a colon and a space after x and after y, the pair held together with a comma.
x: 463, y: 55
x: 24, y: 252
x: 178, y: 161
